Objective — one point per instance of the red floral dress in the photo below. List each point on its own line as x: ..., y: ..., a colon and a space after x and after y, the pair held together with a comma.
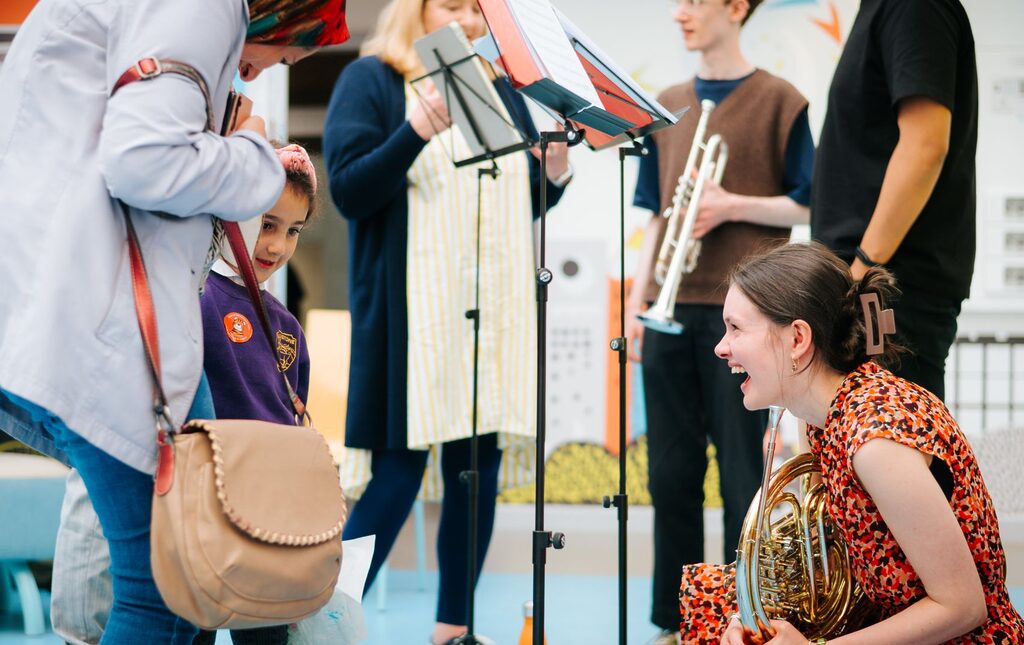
x: 873, y: 403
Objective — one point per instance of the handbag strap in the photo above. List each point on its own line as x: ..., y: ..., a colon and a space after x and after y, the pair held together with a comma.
x: 241, y: 252
x: 149, y: 68
x: 145, y: 310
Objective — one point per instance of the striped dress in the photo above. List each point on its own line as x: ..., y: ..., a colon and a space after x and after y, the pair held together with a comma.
x: 441, y: 280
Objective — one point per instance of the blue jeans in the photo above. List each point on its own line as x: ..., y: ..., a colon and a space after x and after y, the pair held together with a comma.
x: 122, y: 498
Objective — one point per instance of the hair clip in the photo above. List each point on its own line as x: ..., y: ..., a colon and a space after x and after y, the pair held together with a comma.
x: 877, y: 323
x: 295, y: 158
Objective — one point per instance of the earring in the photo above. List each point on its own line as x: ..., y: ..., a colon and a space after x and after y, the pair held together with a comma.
x: 795, y: 368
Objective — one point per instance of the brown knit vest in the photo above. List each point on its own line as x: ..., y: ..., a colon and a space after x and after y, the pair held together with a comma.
x: 755, y: 120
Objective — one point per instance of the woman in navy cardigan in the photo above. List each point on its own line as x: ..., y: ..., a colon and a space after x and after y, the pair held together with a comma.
x: 373, y: 143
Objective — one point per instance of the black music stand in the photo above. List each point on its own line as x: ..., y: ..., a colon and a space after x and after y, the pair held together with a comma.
x: 446, y: 56
x: 625, y: 112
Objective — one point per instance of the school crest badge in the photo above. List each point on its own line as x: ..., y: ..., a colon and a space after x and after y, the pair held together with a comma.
x: 238, y: 327
x: 287, y: 349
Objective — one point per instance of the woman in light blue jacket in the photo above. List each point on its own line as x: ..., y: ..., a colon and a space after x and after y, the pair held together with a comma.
x: 73, y: 378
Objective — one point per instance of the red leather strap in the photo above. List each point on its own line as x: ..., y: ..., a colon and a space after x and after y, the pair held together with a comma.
x: 148, y: 68
x: 241, y: 253
x: 145, y: 312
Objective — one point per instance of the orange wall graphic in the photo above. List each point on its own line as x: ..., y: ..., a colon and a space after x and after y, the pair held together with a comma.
x: 13, y: 12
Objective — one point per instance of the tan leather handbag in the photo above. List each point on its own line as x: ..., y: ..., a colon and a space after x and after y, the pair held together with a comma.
x: 247, y: 515
x: 248, y: 530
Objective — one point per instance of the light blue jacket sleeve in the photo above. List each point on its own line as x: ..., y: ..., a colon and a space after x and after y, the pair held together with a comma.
x: 153, y: 151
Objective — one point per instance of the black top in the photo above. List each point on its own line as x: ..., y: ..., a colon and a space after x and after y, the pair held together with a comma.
x: 898, y: 49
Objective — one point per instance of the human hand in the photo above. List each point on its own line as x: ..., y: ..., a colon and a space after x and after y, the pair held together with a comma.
x: 634, y: 333
x: 430, y: 116
x: 714, y: 209
x: 858, y: 269
x: 558, y: 156
x: 255, y: 124
x: 786, y: 634
x: 737, y: 634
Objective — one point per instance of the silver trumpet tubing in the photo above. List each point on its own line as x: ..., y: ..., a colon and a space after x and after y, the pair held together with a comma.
x: 679, y: 250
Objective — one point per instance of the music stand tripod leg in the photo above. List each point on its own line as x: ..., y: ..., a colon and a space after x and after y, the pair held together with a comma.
x: 543, y: 539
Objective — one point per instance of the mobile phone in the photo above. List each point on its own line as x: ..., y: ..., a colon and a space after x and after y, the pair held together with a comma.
x: 239, y: 109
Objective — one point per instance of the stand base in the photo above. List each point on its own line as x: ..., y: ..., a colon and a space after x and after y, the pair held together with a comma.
x: 665, y: 324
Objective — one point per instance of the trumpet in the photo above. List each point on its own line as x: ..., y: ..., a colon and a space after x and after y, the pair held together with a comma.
x: 792, y: 563
x: 679, y: 251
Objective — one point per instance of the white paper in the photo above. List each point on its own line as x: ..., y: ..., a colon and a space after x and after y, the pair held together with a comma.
x: 355, y: 565
x: 542, y: 30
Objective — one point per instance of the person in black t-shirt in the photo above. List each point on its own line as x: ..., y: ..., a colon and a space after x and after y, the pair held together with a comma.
x: 894, y: 176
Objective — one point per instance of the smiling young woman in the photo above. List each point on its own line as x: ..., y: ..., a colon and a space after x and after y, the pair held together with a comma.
x: 903, y: 486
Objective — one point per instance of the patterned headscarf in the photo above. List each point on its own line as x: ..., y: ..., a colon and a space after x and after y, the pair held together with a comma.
x: 299, y: 23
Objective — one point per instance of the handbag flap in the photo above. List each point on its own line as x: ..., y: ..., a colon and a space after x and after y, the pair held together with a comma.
x: 277, y: 483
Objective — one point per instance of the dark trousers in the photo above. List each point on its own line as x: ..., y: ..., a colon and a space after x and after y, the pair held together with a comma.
x: 693, y: 398
x: 276, y: 635
x: 397, y: 475
x: 925, y: 325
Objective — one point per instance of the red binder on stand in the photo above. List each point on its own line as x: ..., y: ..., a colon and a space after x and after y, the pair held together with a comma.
x: 550, y: 60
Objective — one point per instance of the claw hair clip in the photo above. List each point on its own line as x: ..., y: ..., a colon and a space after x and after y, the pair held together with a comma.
x: 877, y: 323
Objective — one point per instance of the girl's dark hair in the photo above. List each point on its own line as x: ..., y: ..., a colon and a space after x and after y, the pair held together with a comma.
x: 301, y: 184
x: 810, y: 283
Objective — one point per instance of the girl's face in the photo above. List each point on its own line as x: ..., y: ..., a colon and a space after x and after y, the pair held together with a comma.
x: 280, y: 233
x: 438, y: 13
x: 751, y: 345
x: 256, y: 58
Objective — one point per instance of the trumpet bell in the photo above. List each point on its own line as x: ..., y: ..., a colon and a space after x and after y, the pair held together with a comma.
x: 660, y: 321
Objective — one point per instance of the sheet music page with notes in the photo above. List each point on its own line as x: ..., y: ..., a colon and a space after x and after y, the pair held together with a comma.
x: 544, y: 32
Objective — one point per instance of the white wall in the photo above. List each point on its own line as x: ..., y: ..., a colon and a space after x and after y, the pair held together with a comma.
x: 785, y: 38
x: 796, y: 39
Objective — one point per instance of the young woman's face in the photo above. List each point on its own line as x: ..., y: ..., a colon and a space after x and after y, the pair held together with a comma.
x: 280, y: 233
x: 438, y: 13
x: 256, y: 58
x: 751, y: 344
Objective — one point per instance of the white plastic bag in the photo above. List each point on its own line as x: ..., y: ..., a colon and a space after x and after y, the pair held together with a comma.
x: 341, y: 620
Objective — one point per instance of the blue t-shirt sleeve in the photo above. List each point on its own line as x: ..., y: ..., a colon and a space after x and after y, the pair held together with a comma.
x: 647, y: 193
x: 796, y: 178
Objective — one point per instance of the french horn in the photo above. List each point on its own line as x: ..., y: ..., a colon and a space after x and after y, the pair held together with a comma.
x: 792, y: 562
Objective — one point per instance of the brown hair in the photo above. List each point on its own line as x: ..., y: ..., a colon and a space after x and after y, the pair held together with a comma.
x: 753, y: 5
x: 297, y: 181
x: 808, y: 282
x: 301, y: 184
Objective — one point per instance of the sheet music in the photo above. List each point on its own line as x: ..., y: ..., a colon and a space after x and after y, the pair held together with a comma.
x: 604, y: 62
x: 472, y: 100
x: 541, y: 27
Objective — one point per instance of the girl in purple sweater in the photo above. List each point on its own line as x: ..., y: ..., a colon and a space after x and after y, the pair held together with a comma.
x: 241, y: 371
